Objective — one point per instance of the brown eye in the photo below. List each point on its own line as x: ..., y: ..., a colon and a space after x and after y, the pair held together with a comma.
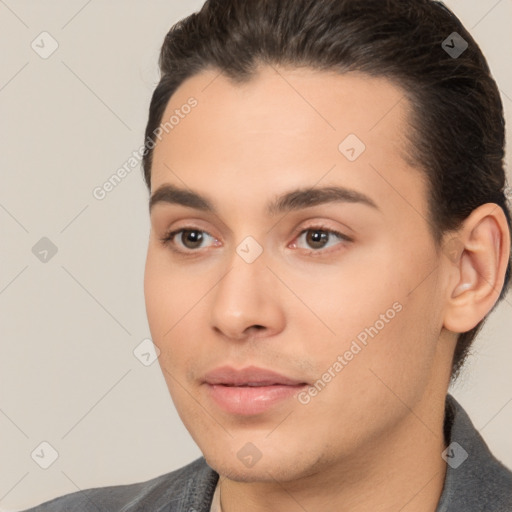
x: 317, y: 238
x: 191, y: 238
x: 187, y: 240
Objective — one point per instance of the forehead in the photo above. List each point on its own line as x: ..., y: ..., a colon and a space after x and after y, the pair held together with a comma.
x: 287, y: 127
x: 291, y: 101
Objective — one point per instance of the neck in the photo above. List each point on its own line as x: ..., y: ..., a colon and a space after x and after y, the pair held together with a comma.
x: 401, y: 470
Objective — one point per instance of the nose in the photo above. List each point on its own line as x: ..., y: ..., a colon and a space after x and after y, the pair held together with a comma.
x: 246, y: 301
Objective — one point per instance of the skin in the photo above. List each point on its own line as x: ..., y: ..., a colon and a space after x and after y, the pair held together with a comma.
x: 372, y: 438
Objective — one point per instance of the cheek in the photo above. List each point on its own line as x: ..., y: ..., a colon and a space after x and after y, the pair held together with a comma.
x: 165, y: 294
x: 174, y: 302
x: 381, y: 319
x: 154, y: 295
x: 352, y: 296
x: 398, y: 364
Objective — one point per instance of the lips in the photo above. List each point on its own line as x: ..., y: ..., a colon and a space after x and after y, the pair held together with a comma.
x: 251, y: 376
x: 250, y: 391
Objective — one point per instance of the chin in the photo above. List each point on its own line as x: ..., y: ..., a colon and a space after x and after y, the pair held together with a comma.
x: 267, y: 469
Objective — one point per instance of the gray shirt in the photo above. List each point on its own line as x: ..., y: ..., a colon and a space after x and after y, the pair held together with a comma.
x: 475, y: 481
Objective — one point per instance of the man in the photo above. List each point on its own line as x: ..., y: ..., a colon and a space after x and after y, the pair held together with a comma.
x: 329, y: 230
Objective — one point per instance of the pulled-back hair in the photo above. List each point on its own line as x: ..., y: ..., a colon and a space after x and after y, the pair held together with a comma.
x: 457, y: 128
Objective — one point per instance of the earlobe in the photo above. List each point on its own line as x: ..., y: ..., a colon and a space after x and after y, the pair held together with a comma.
x: 478, y: 271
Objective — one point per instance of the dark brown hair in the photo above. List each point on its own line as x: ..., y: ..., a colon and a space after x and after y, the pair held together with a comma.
x: 457, y: 128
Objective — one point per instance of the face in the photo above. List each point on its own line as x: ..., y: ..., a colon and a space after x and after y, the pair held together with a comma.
x: 338, y: 289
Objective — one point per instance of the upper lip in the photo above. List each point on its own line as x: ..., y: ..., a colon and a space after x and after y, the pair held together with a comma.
x: 229, y: 376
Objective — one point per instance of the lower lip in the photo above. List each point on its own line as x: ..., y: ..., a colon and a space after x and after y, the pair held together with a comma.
x: 248, y: 400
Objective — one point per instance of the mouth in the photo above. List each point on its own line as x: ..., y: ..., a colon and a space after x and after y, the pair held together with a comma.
x: 251, y: 390
x: 250, y: 376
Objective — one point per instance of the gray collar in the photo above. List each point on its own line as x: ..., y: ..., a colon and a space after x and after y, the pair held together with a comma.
x: 475, y: 480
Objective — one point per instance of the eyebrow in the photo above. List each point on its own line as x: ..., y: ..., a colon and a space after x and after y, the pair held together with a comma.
x: 291, y: 201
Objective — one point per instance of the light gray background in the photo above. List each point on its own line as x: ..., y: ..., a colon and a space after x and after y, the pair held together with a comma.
x: 68, y: 375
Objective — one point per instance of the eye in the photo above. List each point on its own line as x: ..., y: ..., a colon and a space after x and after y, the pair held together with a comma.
x: 318, y: 237
x: 190, y: 238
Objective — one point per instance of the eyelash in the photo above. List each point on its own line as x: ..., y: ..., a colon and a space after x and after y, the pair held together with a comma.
x: 167, y: 239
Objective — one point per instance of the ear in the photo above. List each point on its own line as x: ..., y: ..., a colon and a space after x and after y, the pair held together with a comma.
x: 477, y: 259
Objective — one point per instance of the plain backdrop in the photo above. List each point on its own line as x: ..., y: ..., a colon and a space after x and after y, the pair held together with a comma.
x: 69, y: 326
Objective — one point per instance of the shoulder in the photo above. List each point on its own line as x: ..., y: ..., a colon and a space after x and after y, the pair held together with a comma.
x: 191, y: 486
x: 475, y: 479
